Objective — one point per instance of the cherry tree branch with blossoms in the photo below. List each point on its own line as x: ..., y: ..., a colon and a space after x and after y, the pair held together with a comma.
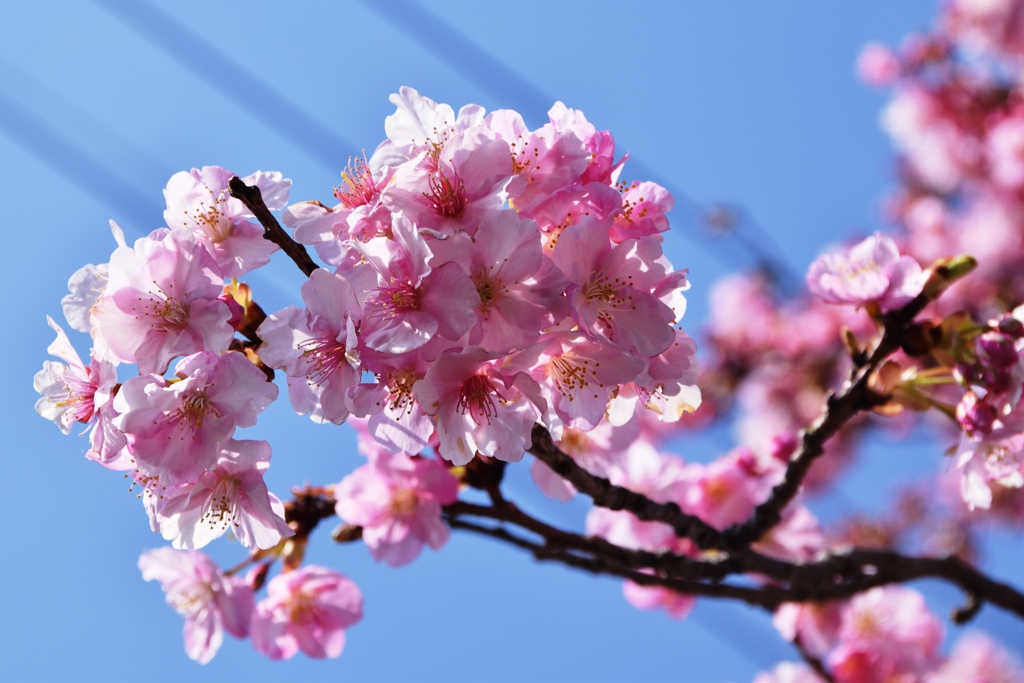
x: 485, y: 291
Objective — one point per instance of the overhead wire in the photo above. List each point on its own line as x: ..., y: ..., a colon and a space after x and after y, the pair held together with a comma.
x: 68, y: 160
x: 220, y: 71
x: 486, y: 72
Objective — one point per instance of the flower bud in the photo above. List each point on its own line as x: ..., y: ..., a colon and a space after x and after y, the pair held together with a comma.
x: 783, y: 446
x: 997, y: 349
x: 975, y: 414
x: 1010, y: 326
x: 965, y: 373
x: 997, y: 380
x: 237, y: 312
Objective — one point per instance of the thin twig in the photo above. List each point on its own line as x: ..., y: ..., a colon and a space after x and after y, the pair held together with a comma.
x: 252, y: 198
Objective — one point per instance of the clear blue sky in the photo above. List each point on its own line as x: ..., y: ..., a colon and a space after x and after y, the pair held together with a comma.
x: 750, y: 102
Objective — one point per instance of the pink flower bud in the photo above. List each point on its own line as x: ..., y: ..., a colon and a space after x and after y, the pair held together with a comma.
x: 997, y: 349
x: 975, y: 414
x: 237, y: 312
x: 877, y: 65
x: 1009, y: 325
x: 783, y: 446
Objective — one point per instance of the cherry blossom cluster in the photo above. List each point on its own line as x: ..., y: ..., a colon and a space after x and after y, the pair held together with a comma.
x: 307, y: 609
x: 488, y: 277
x: 886, y: 633
x: 482, y: 278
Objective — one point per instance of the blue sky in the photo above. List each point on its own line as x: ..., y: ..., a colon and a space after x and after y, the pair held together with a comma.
x: 101, y: 102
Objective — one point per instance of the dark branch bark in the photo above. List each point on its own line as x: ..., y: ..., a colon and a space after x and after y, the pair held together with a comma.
x: 760, y: 597
x: 855, y: 397
x: 252, y: 198
x: 839, y: 408
x: 835, y: 577
x: 607, y: 495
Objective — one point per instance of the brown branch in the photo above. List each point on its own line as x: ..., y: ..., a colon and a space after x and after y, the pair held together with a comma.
x: 855, y: 397
x: 840, y: 408
x: 677, y: 566
x: 252, y: 198
x: 767, y: 597
x: 838, y: 576
x: 607, y: 495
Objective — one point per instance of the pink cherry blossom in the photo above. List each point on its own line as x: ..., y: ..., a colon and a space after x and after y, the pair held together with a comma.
x: 725, y: 491
x: 397, y: 501
x: 179, y: 427
x: 395, y: 418
x: 210, y: 602
x: 996, y: 459
x: 84, y: 287
x: 872, y: 271
x: 978, y: 658
x: 199, y: 200
x: 544, y: 160
x: 413, y: 301
x: 886, y: 633
x: 644, y: 209
x: 667, y: 386
x: 520, y: 293
x: 877, y: 65
x: 599, y: 145
x: 230, y: 496
x: 316, y: 347
x: 661, y: 478
x: 936, y: 149
x: 597, y: 450
x: 678, y: 605
x: 814, y: 625
x: 306, y: 609
x: 568, y: 206
x: 161, y: 301
x: 76, y: 393
x: 477, y: 409
x: 612, y: 298
x: 576, y: 377
x: 455, y: 186
x: 359, y: 215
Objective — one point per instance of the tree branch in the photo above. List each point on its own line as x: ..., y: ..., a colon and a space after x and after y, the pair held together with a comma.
x: 252, y: 198
x: 839, y: 408
x: 855, y: 397
x: 607, y: 495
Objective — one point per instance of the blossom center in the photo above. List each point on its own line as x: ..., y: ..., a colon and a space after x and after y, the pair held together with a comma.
x: 173, y: 314
x: 574, y: 442
x: 400, y: 397
x: 489, y: 291
x: 77, y: 403
x: 303, y: 608
x: 193, y: 409
x: 403, y: 502
x: 357, y: 187
x: 214, y: 222
x: 324, y: 356
x: 477, y: 396
x: 447, y: 195
x: 390, y: 302
x: 221, y: 511
x: 572, y: 374
x: 193, y: 599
